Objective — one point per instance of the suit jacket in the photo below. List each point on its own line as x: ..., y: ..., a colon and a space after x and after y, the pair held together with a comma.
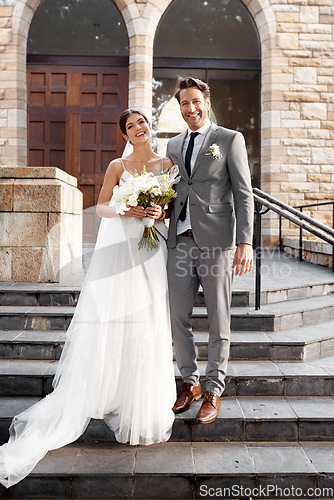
x: 219, y: 190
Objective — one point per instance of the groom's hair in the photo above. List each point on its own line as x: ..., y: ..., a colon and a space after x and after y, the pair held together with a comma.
x: 186, y: 83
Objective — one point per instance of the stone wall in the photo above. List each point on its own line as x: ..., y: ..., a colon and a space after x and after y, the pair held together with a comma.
x: 298, y: 161
x: 297, y: 96
x: 40, y: 224
x: 317, y: 252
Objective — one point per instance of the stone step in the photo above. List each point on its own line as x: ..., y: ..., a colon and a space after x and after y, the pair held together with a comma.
x: 181, y: 471
x: 51, y: 294
x: 240, y: 419
x: 293, y: 291
x: 34, y: 295
x: 35, y: 317
x: 290, y: 345
x: 37, y: 295
x: 31, y: 344
x: 244, y: 378
x: 271, y: 317
x: 297, y: 344
x: 274, y: 317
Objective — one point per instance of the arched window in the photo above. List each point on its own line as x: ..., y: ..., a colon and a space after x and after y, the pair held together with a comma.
x: 216, y: 41
x: 78, y: 27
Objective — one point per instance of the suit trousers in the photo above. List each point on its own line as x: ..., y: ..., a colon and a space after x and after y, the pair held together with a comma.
x: 187, y: 268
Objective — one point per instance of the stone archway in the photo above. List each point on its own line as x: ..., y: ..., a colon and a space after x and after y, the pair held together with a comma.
x: 271, y: 147
x: 141, y: 20
x: 219, y: 44
x: 77, y: 79
x: 265, y: 21
x: 15, y: 54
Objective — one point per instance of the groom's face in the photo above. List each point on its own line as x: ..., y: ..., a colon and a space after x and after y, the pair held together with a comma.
x: 194, y: 107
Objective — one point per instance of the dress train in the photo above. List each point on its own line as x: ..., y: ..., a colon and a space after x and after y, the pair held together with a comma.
x: 116, y: 364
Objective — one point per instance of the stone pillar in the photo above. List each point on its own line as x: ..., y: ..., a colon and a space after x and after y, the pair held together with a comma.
x: 141, y: 19
x: 40, y: 224
x: 14, y: 21
x: 271, y: 95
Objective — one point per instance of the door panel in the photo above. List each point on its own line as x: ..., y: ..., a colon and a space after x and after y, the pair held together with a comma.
x: 72, y: 120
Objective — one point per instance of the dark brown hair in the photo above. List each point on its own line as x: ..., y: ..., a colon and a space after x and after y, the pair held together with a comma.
x: 188, y: 82
x: 125, y: 115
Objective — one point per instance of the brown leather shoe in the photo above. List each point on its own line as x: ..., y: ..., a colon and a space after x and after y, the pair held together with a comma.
x: 188, y: 394
x: 209, y: 410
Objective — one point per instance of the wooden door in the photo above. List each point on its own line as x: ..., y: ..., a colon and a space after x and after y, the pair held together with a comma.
x: 72, y: 120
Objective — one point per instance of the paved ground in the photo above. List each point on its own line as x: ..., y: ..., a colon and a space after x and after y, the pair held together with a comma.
x: 279, y: 270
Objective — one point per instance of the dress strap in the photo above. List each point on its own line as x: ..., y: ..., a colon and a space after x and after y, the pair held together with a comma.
x: 162, y: 165
x: 122, y: 164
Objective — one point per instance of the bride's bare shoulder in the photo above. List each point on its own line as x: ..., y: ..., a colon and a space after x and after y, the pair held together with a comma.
x: 167, y: 163
x: 115, y: 168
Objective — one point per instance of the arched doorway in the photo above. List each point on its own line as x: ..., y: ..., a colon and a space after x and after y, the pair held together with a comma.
x: 216, y: 41
x: 77, y: 82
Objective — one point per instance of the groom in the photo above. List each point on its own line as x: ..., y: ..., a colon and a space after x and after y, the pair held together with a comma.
x: 212, y: 213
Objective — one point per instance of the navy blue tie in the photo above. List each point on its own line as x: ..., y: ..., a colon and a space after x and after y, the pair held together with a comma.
x: 187, y: 163
x: 189, y: 152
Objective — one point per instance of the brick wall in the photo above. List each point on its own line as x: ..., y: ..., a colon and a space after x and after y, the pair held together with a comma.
x: 299, y: 149
x: 297, y: 40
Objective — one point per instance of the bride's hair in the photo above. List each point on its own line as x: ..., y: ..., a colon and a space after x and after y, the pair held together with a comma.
x: 125, y: 115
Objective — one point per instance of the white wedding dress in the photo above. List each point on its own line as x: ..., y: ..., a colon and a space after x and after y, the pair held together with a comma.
x: 117, y: 360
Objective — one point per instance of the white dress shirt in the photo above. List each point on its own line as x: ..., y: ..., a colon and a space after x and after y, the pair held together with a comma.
x: 198, y: 141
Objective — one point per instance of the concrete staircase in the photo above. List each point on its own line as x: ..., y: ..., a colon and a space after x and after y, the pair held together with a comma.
x: 276, y: 424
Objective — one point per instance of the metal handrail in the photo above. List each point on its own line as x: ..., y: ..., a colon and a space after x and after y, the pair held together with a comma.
x: 318, y: 204
x: 294, y: 211
x: 308, y: 223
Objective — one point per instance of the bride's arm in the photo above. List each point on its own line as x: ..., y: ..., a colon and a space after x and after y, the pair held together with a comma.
x: 103, y: 210
x: 111, y: 179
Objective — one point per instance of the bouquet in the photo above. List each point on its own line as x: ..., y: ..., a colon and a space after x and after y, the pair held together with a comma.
x: 145, y: 190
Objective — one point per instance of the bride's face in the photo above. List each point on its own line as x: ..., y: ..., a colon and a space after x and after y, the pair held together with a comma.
x: 137, y: 129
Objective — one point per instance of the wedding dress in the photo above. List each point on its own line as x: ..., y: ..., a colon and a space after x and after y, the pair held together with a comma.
x: 116, y: 364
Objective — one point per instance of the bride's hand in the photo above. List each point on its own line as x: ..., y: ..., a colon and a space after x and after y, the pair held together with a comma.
x: 154, y: 211
x: 138, y: 212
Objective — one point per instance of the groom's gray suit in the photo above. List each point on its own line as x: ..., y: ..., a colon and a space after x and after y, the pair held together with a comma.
x: 221, y: 211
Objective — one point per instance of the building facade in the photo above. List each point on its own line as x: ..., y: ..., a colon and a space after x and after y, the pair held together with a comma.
x: 270, y: 63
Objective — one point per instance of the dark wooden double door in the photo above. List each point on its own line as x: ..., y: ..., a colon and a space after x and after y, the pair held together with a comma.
x: 72, y: 120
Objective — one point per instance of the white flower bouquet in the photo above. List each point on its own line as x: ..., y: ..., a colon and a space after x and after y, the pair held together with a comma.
x: 145, y: 190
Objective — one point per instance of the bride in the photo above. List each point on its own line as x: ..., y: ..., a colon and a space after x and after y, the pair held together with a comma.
x: 117, y: 362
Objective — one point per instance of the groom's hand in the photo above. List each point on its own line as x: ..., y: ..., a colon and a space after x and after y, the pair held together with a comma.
x: 243, y: 259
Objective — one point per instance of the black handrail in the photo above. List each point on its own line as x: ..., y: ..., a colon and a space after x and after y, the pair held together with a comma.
x: 282, y: 209
x: 301, y: 207
x: 294, y: 211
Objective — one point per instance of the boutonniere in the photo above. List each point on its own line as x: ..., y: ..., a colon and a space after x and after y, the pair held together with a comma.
x: 214, y: 151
